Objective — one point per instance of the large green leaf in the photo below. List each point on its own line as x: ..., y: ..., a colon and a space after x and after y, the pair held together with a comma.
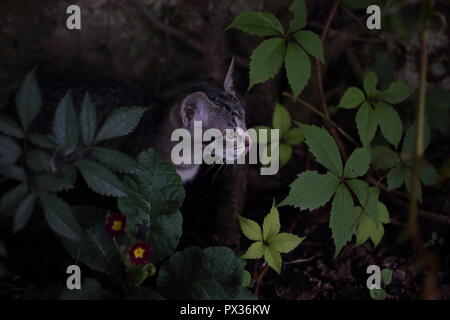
x: 13, y: 172
x: 250, y: 228
x: 396, y: 93
x: 343, y: 219
x: 366, y: 122
x: 322, y: 145
x: 390, y: 123
x: 100, y: 179
x: 396, y: 178
x: 88, y: 120
x: 10, y: 127
x: 41, y: 140
x: 370, y: 84
x: 96, y: 248
x: 311, y: 43
x: 255, y: 251
x: 121, y: 122
x: 298, y: 8
x: 273, y: 258
x: 115, y: 160
x: 285, y: 242
x: 65, y: 125
x: 311, y: 190
x: 298, y: 68
x: 257, y: 23
x: 360, y: 188
x: 164, y: 234
x: 294, y: 136
x: 39, y: 161
x: 11, y: 199
x: 271, y: 224
x: 266, y: 60
x: 60, y: 218
x: 384, y: 158
x: 368, y: 228
x: 352, y: 98
x: 208, y: 274
x: 9, y: 151
x: 24, y: 212
x: 28, y: 100
x: 55, y: 182
x: 357, y: 164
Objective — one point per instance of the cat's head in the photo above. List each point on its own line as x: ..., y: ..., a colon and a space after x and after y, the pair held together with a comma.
x: 217, y: 108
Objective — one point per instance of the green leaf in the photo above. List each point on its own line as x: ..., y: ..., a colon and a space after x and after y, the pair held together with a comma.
x: 273, y: 258
x: 96, y: 248
x: 250, y: 228
x: 281, y: 119
x: 39, y: 161
x: 357, y: 164
x: 100, y: 179
x: 11, y: 199
x: 396, y: 93
x: 386, y: 276
x: 266, y: 60
x: 88, y: 120
x: 366, y: 122
x: 120, y: 122
x: 343, y: 219
x: 115, y: 160
x: 298, y: 8
x: 60, y: 218
x: 294, y: 136
x: 370, y: 84
x: 311, y: 190
x: 368, y: 228
x: 384, y: 158
x: 285, y: 242
x: 24, y: 212
x: 9, y: 151
x: 208, y: 274
x: 13, y: 172
x: 65, y: 125
x: 246, y: 279
x: 10, y: 127
x: 136, y: 206
x: 311, y: 43
x: 61, y: 181
x: 255, y: 251
x: 378, y: 294
x: 408, y: 145
x: 285, y: 154
x: 395, y: 178
x: 322, y: 145
x: 352, y: 98
x: 390, y: 123
x: 257, y: 23
x: 383, y: 213
x: 138, y: 274
x: 164, y: 235
x: 28, y: 100
x: 371, y: 206
x: 298, y: 68
x: 360, y: 189
x: 271, y: 224
x: 428, y: 174
x: 41, y: 140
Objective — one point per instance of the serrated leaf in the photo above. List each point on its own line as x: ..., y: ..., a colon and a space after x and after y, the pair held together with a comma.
x: 294, y: 136
x: 395, y: 178
x: 357, y: 164
x: 13, y: 172
x: 100, y: 179
x: 366, y: 122
x: 273, y: 258
x: 39, y: 161
x: 255, y: 251
x: 281, y: 119
x: 266, y: 60
x: 271, y: 224
x: 311, y: 43
x: 41, y: 140
x: 397, y: 92
x: 120, y: 122
x: 250, y: 228
x: 28, y: 100
x: 115, y: 160
x: 322, y: 145
x: 257, y: 23
x: 298, y: 8
x: 10, y: 127
x: 298, y: 68
x: 311, y: 190
x: 24, y: 212
x: 9, y: 151
x: 56, y: 182
x: 342, y: 219
x: 352, y: 98
x: 65, y: 125
x: 368, y: 228
x: 390, y: 123
x: 88, y: 120
x: 285, y: 154
x: 60, y: 218
x: 285, y: 242
x: 360, y: 189
x: 384, y: 158
x: 11, y: 199
x: 370, y: 84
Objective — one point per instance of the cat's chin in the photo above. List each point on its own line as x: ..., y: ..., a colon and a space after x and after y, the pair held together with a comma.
x: 188, y: 174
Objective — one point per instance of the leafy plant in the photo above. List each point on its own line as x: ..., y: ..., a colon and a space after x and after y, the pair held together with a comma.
x: 386, y: 279
x: 289, y: 47
x: 269, y: 242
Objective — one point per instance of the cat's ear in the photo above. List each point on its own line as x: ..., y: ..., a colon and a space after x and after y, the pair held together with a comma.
x: 194, y: 108
x: 228, y: 84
